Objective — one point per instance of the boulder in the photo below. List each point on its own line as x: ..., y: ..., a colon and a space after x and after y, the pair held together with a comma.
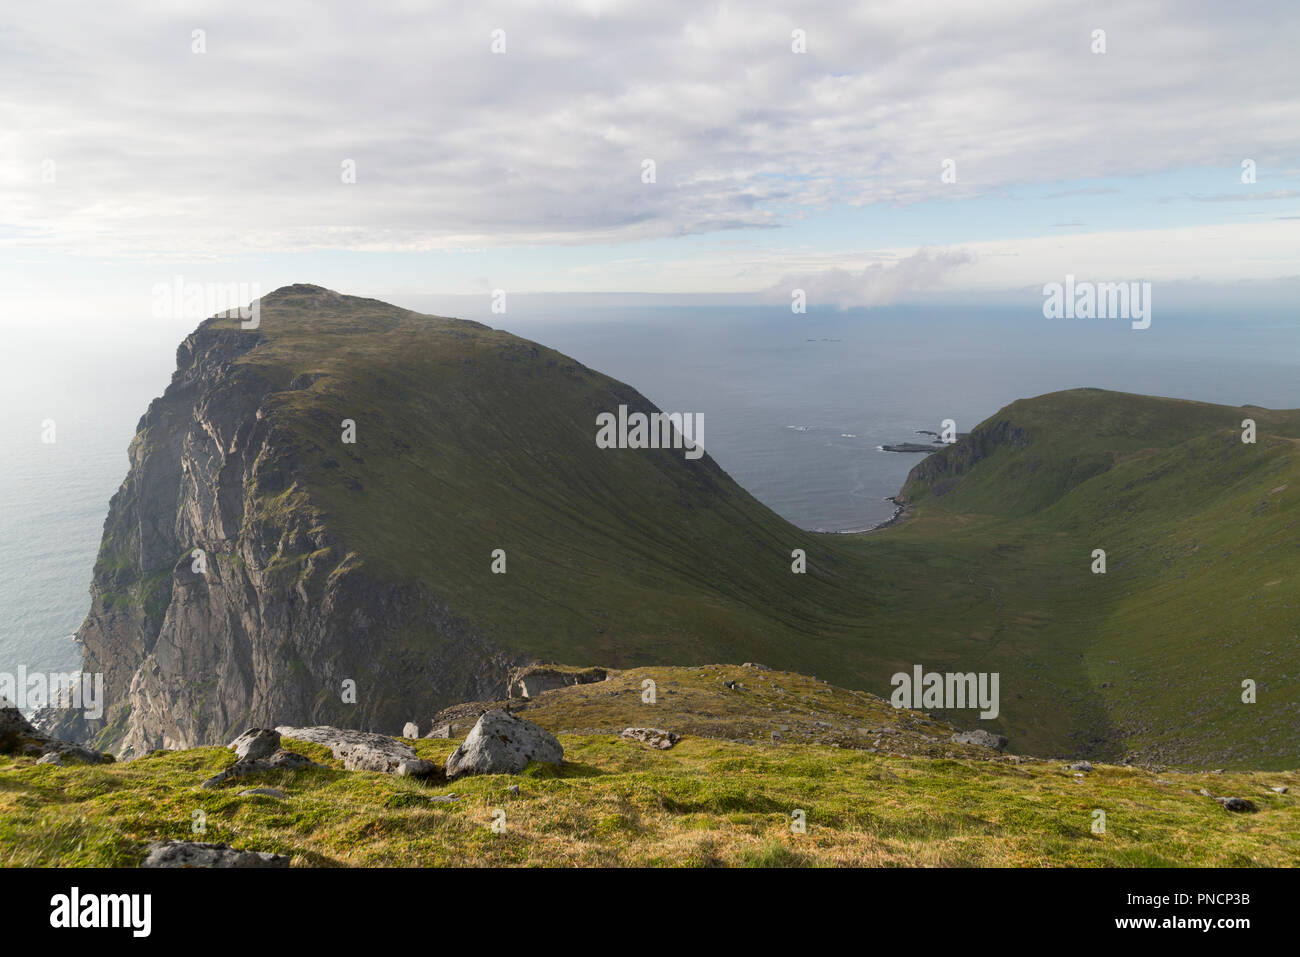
x: 365, y: 750
x: 1237, y: 804
x: 13, y: 724
x: 501, y: 743
x: 17, y: 736
x: 412, y: 730
x: 61, y: 754
x: 416, y: 768
x: 1079, y: 766
x: 280, y: 761
x: 255, y: 744
x: 197, y: 854
x: 442, y: 731
x: 983, y: 739
x: 655, y: 737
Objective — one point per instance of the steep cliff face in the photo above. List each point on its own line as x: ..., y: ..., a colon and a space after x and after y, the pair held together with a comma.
x: 939, y: 473
x: 221, y: 599
x: 259, y: 563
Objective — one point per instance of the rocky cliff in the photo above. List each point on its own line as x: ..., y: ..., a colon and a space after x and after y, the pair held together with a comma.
x: 215, y: 606
x: 260, y: 566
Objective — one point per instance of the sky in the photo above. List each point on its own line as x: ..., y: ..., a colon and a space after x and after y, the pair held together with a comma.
x: 868, y: 153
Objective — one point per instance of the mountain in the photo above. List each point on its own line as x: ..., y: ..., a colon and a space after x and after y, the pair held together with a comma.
x: 372, y: 562
x: 1201, y: 532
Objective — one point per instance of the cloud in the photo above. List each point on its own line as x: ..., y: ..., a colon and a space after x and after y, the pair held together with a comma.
x: 1084, y: 191
x: 159, y: 150
x: 1245, y: 197
x: 878, y: 284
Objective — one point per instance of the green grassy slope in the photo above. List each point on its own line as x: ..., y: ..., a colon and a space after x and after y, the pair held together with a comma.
x: 1202, y: 540
x: 471, y: 439
x: 709, y: 801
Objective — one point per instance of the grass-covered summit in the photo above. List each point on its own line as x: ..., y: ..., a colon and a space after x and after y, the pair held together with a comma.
x: 371, y: 562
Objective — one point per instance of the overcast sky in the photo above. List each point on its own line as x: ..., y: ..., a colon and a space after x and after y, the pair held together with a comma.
x: 127, y: 158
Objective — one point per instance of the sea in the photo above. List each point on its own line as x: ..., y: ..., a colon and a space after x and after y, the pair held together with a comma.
x: 796, y: 409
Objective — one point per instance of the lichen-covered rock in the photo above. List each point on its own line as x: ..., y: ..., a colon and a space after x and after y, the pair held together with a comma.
x: 365, y: 750
x: 654, y: 737
x: 62, y: 754
x: 501, y: 743
x: 984, y: 739
x: 197, y: 854
x: 17, y: 736
x: 1237, y: 804
x: 280, y: 761
x: 255, y: 744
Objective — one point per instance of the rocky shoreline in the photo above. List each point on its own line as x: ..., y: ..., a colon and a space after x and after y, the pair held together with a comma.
x: 902, y: 512
x: 912, y: 447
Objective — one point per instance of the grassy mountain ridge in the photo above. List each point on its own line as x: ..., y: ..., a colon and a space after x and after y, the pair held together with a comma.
x: 1202, y: 539
x: 469, y: 439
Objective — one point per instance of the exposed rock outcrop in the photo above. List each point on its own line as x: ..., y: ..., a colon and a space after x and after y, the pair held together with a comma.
x: 503, y: 744
x: 1240, y: 805
x: 532, y: 680
x: 201, y: 854
x: 17, y: 736
x: 983, y: 739
x: 256, y: 743
x: 223, y: 598
x: 366, y: 751
x: 72, y: 754
x: 278, y: 761
x: 654, y: 737
x: 942, y: 470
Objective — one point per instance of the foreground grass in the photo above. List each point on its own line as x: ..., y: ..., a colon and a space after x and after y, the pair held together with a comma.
x: 615, y: 803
